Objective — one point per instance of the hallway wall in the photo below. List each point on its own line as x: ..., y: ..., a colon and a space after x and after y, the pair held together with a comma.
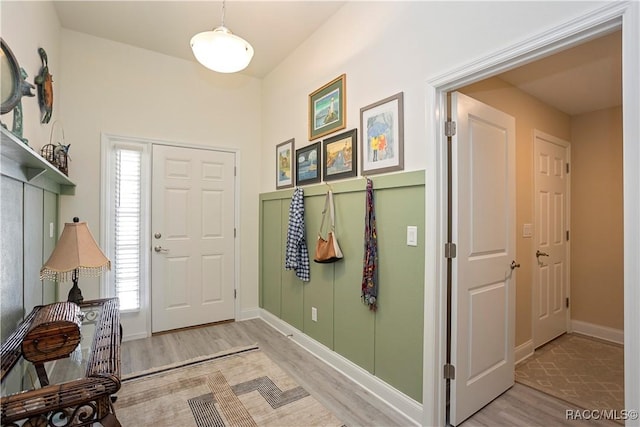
x: 597, y: 252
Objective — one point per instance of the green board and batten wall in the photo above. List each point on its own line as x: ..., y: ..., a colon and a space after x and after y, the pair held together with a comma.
x: 388, y: 342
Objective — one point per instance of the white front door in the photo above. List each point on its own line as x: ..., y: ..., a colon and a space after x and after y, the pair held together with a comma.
x: 192, y: 235
x: 483, y: 228
x: 550, y: 269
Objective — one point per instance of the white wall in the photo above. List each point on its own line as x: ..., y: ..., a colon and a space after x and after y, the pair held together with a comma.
x: 119, y: 89
x: 388, y: 47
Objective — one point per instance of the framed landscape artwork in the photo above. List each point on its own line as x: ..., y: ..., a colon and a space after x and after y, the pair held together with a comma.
x: 382, y: 135
x: 284, y: 164
x: 307, y: 164
x: 327, y: 108
x: 340, y: 156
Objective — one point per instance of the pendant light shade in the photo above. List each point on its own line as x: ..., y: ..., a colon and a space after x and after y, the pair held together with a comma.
x: 220, y: 50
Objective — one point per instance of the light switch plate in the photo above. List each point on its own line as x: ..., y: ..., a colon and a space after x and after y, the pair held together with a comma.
x: 51, y: 230
x: 527, y: 230
x: 412, y: 235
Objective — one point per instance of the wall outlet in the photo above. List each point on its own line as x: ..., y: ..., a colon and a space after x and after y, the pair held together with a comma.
x: 314, y: 314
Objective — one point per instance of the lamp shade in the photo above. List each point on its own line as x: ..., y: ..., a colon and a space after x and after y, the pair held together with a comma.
x: 76, y: 250
x: 222, y: 51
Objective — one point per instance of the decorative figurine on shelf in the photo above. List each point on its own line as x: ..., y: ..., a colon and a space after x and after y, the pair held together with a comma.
x: 44, y: 80
x: 61, y: 153
x: 17, y: 111
x: 14, y: 87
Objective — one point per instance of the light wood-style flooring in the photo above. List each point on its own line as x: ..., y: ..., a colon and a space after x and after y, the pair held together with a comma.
x: 355, y: 406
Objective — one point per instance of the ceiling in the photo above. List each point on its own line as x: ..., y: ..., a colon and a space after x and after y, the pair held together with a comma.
x: 582, y: 79
x: 585, y: 78
x: 274, y: 28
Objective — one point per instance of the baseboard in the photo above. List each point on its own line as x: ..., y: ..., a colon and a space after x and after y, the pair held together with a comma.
x: 523, y: 351
x: 399, y: 401
x: 597, y: 331
x: 131, y: 337
x: 249, y: 313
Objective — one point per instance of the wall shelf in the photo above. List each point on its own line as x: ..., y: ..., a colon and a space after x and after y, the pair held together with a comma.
x: 21, y: 162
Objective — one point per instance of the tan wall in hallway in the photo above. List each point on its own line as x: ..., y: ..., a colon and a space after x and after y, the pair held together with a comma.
x: 597, y: 286
x: 530, y: 114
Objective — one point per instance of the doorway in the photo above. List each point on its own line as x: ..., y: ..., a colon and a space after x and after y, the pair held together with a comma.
x: 181, y: 260
x: 574, y: 33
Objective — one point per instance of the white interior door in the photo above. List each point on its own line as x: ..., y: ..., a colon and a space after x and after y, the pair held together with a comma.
x: 551, y: 267
x: 483, y: 283
x: 192, y: 234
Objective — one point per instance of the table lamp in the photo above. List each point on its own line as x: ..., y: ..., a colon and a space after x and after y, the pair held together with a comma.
x: 76, y: 253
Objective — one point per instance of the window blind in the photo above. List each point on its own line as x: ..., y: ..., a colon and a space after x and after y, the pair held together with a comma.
x: 127, y: 227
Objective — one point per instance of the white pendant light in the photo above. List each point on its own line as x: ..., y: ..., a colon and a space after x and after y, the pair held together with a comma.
x: 220, y: 50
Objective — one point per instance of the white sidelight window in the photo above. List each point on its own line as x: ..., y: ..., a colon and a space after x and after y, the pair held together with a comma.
x: 124, y: 225
x: 127, y: 225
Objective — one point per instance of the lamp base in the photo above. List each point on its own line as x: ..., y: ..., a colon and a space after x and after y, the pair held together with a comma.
x: 75, y: 294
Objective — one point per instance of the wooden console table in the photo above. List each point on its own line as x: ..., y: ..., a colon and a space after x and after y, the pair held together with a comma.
x: 80, y: 387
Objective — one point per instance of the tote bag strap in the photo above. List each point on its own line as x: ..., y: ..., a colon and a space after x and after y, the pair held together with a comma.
x: 328, y: 204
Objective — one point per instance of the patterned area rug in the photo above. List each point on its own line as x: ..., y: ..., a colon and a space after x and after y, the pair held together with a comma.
x: 583, y: 371
x: 242, y: 387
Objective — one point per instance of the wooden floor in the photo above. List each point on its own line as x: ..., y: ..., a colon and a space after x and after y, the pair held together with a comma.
x: 520, y: 406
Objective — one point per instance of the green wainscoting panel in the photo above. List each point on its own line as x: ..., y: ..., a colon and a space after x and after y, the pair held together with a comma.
x: 318, y: 292
x: 399, y: 319
x: 353, y: 321
x: 388, y: 342
x: 292, y: 287
x: 272, y: 247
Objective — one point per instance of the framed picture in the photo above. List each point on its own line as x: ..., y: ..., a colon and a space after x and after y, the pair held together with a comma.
x: 284, y: 164
x: 382, y: 135
x: 307, y: 164
x: 327, y: 108
x: 340, y: 156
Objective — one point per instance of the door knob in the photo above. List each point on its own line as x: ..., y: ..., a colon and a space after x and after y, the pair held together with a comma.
x: 160, y: 249
x: 514, y: 265
x: 539, y: 254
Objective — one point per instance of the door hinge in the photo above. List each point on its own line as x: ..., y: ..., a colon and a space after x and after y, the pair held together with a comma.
x: 568, y: 168
x: 449, y: 372
x: 449, y: 250
x: 449, y: 128
x: 567, y: 235
x: 567, y: 302
x: 234, y: 233
x: 235, y: 171
x: 235, y: 293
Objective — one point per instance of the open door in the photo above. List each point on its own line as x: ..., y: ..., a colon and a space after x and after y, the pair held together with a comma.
x: 482, y: 277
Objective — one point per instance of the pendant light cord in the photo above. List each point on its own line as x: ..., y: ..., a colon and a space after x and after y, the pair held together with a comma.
x: 223, y: 11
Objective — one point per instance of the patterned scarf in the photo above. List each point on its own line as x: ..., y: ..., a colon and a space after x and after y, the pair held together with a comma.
x: 370, y: 262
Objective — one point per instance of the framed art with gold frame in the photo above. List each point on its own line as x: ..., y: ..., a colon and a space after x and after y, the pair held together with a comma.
x: 327, y: 108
